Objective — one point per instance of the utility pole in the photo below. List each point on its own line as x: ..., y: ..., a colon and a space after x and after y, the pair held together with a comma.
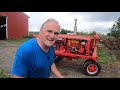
x: 75, y: 27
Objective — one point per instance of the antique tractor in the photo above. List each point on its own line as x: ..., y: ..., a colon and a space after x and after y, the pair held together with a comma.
x: 75, y: 47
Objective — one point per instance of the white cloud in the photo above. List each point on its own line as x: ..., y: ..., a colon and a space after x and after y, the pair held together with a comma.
x: 34, y: 28
x: 86, y: 21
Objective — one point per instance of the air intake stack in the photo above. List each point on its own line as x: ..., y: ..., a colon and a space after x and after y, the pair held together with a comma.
x: 75, y: 27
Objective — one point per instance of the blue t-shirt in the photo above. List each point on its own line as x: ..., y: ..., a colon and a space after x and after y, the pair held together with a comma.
x: 31, y: 61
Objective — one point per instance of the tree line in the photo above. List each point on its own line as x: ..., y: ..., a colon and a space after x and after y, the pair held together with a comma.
x: 115, y: 29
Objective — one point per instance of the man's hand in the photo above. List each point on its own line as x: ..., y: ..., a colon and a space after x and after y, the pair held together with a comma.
x: 55, y: 71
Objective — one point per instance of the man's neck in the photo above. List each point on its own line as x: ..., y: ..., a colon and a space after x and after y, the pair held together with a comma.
x: 43, y: 47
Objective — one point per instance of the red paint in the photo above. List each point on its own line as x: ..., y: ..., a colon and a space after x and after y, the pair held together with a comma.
x: 17, y: 24
x: 75, y: 46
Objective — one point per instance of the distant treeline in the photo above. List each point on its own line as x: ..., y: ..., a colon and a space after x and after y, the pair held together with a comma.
x: 65, y: 31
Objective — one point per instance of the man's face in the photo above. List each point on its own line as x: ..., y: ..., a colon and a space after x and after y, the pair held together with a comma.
x: 49, y: 33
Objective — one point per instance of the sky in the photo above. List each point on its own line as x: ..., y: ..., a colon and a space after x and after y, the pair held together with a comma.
x: 86, y: 21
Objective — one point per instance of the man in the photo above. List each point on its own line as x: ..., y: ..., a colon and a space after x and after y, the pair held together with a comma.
x: 35, y: 58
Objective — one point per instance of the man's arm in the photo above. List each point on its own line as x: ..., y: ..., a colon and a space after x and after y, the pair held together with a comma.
x: 55, y: 71
x: 14, y: 76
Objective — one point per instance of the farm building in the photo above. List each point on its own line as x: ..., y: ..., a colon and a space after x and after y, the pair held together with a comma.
x: 13, y: 25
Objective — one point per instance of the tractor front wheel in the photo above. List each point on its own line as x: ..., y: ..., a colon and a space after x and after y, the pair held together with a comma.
x: 91, y: 68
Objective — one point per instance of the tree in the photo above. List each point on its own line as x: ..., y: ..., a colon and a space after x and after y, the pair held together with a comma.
x: 115, y: 30
x: 63, y: 31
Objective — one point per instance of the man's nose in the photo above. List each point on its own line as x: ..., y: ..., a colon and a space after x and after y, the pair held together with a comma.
x: 52, y: 35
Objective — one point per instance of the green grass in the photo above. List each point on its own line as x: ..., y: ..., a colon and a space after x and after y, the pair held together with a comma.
x: 104, y: 57
x: 3, y: 74
x: 17, y: 41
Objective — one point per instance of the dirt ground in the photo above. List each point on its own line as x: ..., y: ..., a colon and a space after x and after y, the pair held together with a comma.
x: 70, y: 69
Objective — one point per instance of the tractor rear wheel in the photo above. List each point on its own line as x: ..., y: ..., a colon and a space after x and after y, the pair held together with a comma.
x: 91, y: 68
x: 57, y: 59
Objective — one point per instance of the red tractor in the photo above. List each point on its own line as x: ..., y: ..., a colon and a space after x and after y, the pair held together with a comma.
x: 75, y: 47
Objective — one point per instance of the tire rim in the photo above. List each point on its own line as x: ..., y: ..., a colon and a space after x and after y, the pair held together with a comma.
x: 92, y: 69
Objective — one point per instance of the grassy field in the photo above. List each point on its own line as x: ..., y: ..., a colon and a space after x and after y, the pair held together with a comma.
x: 17, y: 41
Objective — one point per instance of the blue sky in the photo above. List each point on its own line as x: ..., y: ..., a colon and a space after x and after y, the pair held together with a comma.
x: 86, y: 21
